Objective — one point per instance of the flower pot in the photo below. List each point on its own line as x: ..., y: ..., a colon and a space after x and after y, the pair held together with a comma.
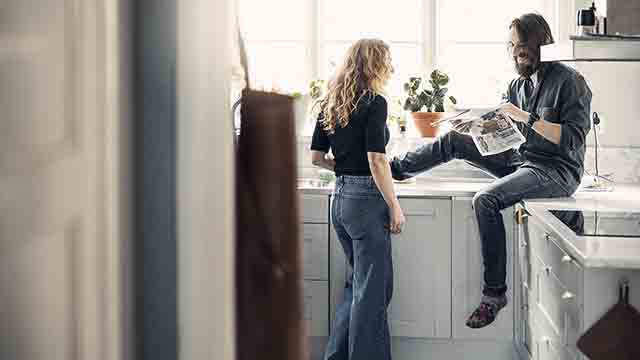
x: 423, y: 121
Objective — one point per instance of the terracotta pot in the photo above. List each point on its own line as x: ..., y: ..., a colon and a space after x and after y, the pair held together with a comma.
x: 423, y: 121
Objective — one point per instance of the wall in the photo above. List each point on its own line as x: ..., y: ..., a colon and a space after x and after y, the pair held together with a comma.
x: 155, y: 176
x: 205, y: 180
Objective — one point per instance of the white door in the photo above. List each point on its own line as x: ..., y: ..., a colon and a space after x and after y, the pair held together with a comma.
x: 467, y: 274
x: 421, y: 304
x: 55, y: 294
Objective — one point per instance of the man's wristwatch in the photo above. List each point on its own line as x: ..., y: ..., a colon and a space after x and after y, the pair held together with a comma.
x: 533, y: 117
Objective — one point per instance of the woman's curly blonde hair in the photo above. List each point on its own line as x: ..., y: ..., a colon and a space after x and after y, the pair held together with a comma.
x: 365, y: 70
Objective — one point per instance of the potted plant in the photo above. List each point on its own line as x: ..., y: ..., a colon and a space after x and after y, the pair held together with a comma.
x: 431, y: 100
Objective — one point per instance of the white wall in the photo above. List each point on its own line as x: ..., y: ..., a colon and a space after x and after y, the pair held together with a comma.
x: 205, y: 181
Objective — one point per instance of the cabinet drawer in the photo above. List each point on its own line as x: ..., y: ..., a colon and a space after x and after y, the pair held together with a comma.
x: 431, y: 208
x: 556, y: 260
x: 314, y: 208
x: 315, y: 251
x: 554, y: 350
x: 527, y: 334
x: 573, y: 329
x: 564, y: 267
x: 559, y: 303
x: 316, y: 307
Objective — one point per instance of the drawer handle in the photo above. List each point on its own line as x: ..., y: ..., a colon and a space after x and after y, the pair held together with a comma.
x: 566, y: 259
x: 568, y: 295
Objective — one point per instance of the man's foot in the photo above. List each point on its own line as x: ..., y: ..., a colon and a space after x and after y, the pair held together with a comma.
x: 487, y: 312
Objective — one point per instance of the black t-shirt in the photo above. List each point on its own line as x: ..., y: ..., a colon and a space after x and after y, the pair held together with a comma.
x: 366, y: 131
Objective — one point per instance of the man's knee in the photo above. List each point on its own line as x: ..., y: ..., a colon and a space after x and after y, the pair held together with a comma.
x: 486, y: 201
x: 456, y: 144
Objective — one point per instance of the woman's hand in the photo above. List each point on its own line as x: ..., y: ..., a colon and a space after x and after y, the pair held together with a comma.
x: 397, y: 219
x: 515, y: 113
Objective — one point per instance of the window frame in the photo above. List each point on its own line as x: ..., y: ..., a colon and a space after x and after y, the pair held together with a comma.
x: 430, y: 45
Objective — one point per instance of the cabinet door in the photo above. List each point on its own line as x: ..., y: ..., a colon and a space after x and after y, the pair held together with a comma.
x: 316, y: 316
x: 315, y: 251
x: 421, y: 305
x: 467, y: 274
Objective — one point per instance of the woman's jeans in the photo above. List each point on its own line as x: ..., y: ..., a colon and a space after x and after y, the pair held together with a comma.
x: 360, y: 218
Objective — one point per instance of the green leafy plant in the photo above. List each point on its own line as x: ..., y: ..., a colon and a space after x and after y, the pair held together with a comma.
x: 431, y: 99
x: 316, y: 88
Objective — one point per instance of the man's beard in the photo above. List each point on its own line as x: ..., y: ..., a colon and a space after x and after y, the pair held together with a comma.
x: 526, y: 70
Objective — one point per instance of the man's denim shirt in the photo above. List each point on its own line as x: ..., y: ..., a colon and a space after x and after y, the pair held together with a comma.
x: 561, y: 96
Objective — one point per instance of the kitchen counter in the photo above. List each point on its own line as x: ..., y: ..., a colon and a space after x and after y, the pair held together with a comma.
x: 593, y: 251
x: 419, y: 188
x: 623, y: 196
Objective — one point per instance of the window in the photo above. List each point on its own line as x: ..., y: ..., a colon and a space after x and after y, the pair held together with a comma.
x: 291, y: 42
x: 343, y: 22
x: 471, y: 37
x: 276, y: 34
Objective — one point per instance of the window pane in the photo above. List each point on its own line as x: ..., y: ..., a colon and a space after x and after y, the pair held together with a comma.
x: 278, y: 66
x: 407, y: 61
x: 482, y: 21
x: 350, y: 20
x: 274, y: 19
x: 479, y: 74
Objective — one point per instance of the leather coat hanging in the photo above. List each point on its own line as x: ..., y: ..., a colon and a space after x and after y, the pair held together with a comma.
x: 269, y: 324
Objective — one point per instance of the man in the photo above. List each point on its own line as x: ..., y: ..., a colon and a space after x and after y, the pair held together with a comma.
x: 550, y: 104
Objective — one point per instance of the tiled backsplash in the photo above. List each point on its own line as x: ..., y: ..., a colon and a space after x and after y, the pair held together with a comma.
x: 623, y: 163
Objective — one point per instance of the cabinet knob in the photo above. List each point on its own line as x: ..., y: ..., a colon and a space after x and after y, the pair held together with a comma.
x: 568, y: 295
x: 566, y: 259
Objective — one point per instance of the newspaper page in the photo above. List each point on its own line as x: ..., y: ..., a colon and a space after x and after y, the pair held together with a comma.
x: 492, y: 130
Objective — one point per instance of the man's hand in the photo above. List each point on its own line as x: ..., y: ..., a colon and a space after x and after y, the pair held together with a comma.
x: 460, y: 127
x: 515, y: 113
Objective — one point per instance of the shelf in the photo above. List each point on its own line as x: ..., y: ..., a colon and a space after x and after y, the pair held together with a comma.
x: 592, y: 49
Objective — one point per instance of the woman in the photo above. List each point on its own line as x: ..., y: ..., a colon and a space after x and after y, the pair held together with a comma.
x: 365, y: 209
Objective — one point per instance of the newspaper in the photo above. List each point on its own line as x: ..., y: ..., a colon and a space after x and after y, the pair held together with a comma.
x: 492, y: 130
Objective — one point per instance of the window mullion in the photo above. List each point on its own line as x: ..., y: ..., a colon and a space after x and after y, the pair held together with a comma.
x: 315, y: 43
x: 429, y: 39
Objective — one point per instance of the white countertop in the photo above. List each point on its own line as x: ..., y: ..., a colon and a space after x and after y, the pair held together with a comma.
x: 419, y: 188
x: 593, y: 251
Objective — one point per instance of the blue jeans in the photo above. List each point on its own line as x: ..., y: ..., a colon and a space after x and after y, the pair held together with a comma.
x: 516, y: 181
x: 360, y: 218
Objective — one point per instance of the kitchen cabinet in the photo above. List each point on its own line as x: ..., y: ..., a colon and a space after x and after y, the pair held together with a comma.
x: 314, y: 235
x: 421, y: 304
x: 316, y: 316
x: 437, y: 278
x: 558, y: 297
x: 315, y: 251
x: 467, y: 274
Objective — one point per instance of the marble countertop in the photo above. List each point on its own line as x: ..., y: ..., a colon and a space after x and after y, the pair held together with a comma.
x: 593, y: 251
x: 419, y: 188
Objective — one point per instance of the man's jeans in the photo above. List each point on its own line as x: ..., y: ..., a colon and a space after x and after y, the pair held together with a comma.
x: 360, y: 217
x: 515, y: 183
